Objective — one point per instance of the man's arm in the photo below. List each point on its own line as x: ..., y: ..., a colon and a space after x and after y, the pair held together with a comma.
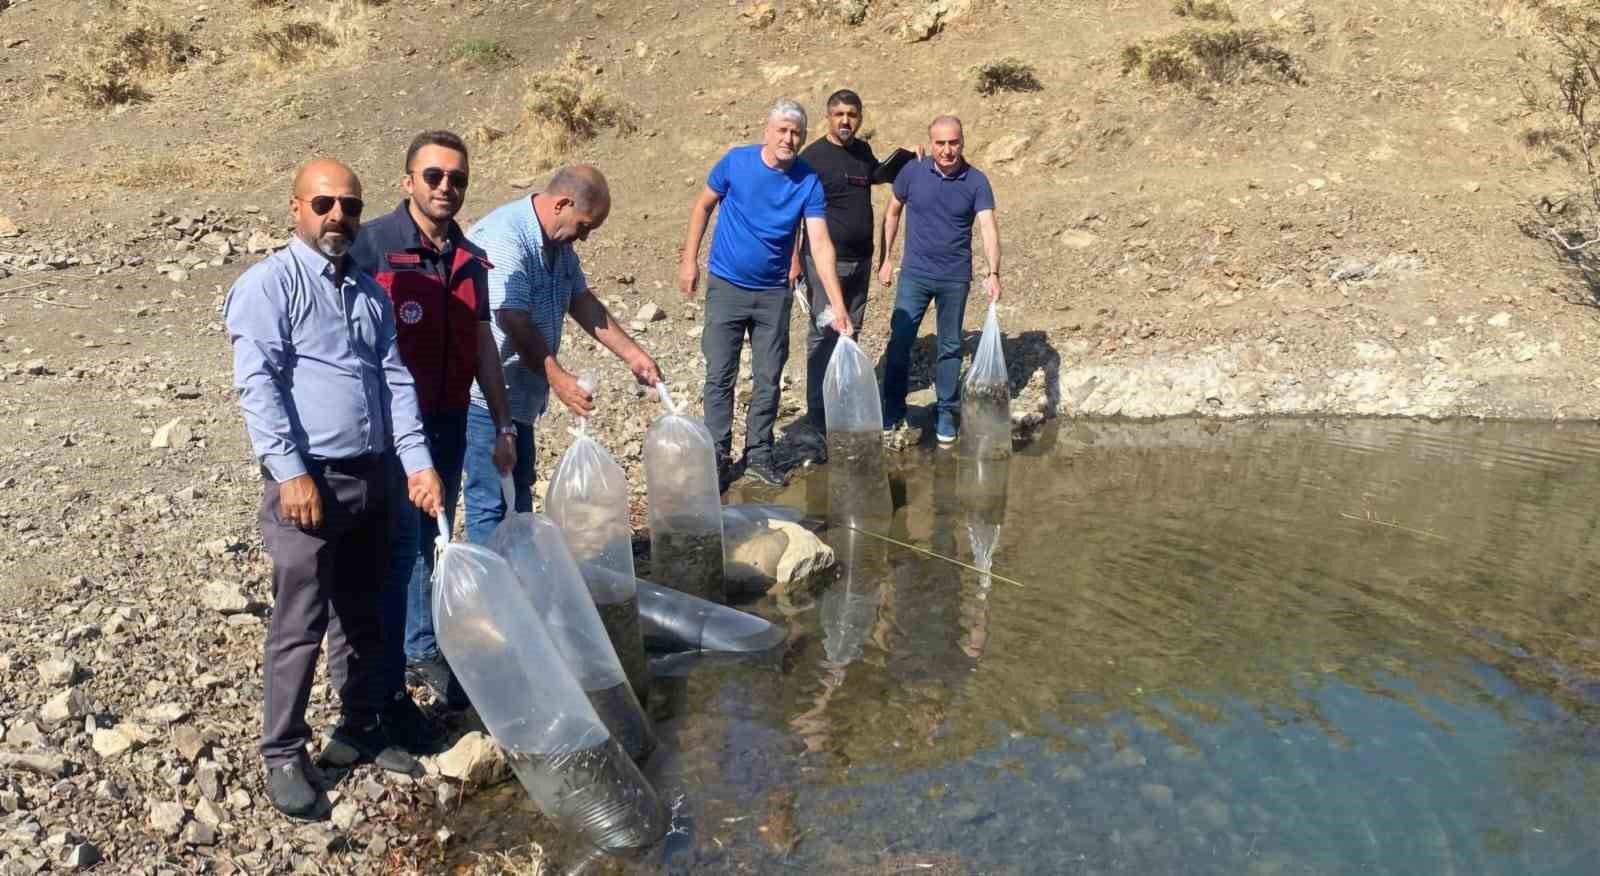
x: 827, y: 271
x: 794, y: 258
x: 537, y: 357
x: 689, y: 260
x: 492, y: 380
x: 991, y: 252
x: 589, y: 313
x: 259, y: 331
x: 891, y: 231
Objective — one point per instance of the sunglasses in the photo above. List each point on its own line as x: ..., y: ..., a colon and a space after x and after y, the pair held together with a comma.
x: 433, y: 176
x: 321, y: 204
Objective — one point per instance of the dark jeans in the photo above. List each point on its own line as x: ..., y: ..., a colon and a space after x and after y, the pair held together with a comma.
x: 732, y: 312
x: 485, y: 506
x: 335, y: 570
x: 911, y: 299
x: 407, y: 609
x: 854, y: 278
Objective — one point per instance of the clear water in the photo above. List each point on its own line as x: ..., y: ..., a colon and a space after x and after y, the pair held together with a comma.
x: 1262, y: 648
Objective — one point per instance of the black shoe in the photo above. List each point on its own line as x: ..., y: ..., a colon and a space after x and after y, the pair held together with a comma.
x: 764, y: 471
x: 290, y: 790
x: 409, y: 728
x: 434, y: 674
x: 724, y: 476
x: 356, y: 744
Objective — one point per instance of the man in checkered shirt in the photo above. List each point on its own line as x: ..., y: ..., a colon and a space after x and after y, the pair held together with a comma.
x: 535, y: 282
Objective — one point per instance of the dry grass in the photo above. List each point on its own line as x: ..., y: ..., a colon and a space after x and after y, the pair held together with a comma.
x: 564, y: 107
x: 120, y: 60
x: 280, y: 44
x: 1210, y: 54
x: 1006, y: 74
x: 1204, y: 10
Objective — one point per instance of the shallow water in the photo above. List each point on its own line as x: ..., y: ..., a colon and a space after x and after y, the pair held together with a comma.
x: 1280, y: 647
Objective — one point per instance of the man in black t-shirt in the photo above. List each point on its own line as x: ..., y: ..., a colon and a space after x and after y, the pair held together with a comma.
x: 848, y: 170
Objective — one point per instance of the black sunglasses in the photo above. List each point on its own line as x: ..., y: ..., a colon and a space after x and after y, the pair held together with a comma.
x: 433, y: 176
x: 321, y: 204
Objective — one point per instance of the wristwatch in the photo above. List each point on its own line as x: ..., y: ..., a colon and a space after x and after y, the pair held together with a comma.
x: 507, y: 430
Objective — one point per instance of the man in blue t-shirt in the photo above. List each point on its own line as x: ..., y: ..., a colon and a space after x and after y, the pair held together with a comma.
x: 765, y: 193
x: 943, y: 197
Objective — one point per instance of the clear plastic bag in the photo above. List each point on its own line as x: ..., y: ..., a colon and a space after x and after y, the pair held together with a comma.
x: 517, y: 679
x: 680, y: 472
x: 588, y: 499
x: 671, y: 620
x: 549, y: 578
x: 986, y: 397
x: 850, y: 399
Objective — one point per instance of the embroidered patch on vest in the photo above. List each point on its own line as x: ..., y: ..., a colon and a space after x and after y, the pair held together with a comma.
x: 410, y: 312
x: 404, y: 259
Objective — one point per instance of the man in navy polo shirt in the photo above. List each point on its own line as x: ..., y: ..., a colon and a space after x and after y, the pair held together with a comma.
x: 942, y: 197
x: 765, y: 192
x: 438, y: 283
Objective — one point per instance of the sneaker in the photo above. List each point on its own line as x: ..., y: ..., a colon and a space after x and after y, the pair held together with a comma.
x: 409, y: 728
x: 892, y: 426
x: 946, y: 430
x: 434, y: 674
x: 290, y: 790
x: 353, y: 743
x: 762, y: 469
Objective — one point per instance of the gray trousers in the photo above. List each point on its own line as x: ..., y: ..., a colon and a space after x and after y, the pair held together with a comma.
x: 340, y: 569
x: 732, y: 313
x: 854, y: 280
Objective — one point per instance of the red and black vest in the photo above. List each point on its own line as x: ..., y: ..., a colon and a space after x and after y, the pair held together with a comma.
x: 437, y: 306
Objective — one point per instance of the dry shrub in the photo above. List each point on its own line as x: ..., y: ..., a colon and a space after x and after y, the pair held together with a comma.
x: 334, y: 38
x: 1204, y: 10
x: 566, y: 106
x: 1006, y: 74
x: 1199, y: 55
x: 1567, y: 98
x: 118, y: 62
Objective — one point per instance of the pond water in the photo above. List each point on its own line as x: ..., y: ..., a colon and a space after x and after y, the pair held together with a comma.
x: 1233, y: 648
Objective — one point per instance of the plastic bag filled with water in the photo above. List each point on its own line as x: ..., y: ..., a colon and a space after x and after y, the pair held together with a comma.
x: 850, y: 401
x: 680, y: 473
x: 537, y: 551
x: 533, y: 706
x: 986, y: 397
x: 588, y: 499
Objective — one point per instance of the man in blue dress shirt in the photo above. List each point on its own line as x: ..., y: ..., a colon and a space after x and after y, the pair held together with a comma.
x: 325, y: 395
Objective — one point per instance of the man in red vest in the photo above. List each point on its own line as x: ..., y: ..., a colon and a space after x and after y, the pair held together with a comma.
x: 437, y: 280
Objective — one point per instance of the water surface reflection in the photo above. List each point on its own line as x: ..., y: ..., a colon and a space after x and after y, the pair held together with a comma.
x: 1279, y: 647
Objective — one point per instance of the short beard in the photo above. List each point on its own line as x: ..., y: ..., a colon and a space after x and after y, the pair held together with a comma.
x: 333, y: 249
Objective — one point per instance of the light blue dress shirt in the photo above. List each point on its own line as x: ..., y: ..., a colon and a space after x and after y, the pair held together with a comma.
x: 524, y: 279
x: 316, y: 366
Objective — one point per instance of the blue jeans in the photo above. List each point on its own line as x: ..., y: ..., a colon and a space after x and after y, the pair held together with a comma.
x: 485, y: 507
x: 406, y: 610
x: 911, y: 299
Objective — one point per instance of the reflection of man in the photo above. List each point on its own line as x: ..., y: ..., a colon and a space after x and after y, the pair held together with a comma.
x: 437, y: 281
x: 765, y: 194
x: 848, y: 170
x: 942, y: 197
x: 325, y: 396
x: 534, y: 284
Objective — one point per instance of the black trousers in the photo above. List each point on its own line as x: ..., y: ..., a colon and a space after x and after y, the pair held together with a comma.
x: 854, y: 280
x: 338, y: 569
x: 732, y: 313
